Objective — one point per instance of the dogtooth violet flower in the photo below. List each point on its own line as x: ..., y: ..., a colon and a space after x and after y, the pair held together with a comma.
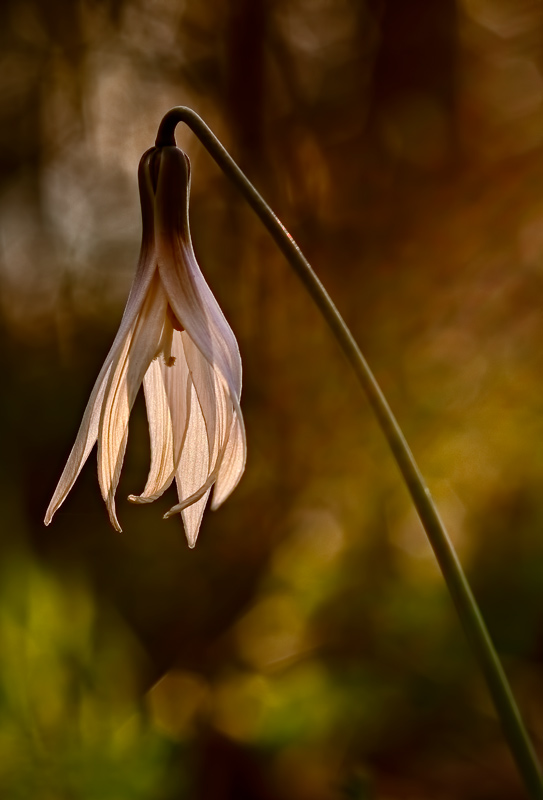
x: 174, y: 338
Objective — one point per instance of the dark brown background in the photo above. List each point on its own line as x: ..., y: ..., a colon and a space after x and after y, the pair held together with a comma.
x: 309, y: 647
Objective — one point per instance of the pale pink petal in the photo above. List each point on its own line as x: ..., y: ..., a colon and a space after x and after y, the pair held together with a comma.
x: 123, y: 384
x: 88, y: 430
x: 189, y: 295
x: 203, y: 378
x: 192, y: 498
x: 203, y: 444
x: 168, y: 399
x: 227, y: 456
x: 210, y: 346
x: 192, y: 517
x: 161, y: 472
x: 192, y: 503
x: 232, y: 465
x: 147, y: 260
x: 199, y: 461
x: 192, y: 389
x: 178, y: 387
x: 193, y: 470
x: 85, y: 441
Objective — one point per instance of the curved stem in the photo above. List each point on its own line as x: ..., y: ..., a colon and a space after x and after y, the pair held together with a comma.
x: 462, y: 596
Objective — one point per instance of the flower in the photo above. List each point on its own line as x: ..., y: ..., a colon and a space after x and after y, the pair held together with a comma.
x: 174, y: 338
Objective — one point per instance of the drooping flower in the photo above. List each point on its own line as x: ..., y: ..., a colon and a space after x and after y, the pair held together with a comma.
x: 174, y: 338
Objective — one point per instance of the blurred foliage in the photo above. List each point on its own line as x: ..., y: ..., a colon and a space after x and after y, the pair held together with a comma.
x: 306, y: 650
x: 71, y: 724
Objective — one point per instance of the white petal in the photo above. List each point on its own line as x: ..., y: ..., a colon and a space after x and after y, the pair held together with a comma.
x: 192, y: 498
x: 88, y: 430
x: 203, y: 378
x: 198, y: 311
x: 124, y: 381
x: 171, y: 392
x: 204, y: 439
x: 232, y: 465
x: 227, y: 447
x: 147, y: 260
x: 161, y: 472
x: 193, y: 470
x: 190, y: 297
x: 192, y: 518
x: 84, y: 442
x: 178, y: 386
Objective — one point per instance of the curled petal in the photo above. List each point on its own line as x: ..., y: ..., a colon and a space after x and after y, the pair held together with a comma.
x: 203, y: 377
x: 174, y: 337
x: 88, y: 430
x: 167, y: 396
x: 178, y: 386
x: 232, y: 465
x: 193, y: 471
x: 123, y: 384
x: 161, y: 472
x: 85, y: 441
x: 188, y: 293
x: 188, y: 501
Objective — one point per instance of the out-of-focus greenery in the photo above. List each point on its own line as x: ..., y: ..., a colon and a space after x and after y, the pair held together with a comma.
x: 306, y: 649
x: 71, y: 719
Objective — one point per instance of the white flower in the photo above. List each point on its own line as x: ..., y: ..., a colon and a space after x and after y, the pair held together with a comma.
x: 174, y: 337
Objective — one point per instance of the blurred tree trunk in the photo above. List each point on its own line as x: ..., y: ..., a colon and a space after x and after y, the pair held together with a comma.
x: 414, y: 81
x: 245, y: 79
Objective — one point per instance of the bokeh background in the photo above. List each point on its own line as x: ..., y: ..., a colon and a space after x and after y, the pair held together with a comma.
x: 306, y: 649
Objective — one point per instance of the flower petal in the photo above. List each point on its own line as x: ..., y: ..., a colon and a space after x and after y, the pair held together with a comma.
x: 193, y: 470
x: 227, y: 446
x: 233, y: 463
x: 192, y: 498
x: 203, y: 378
x: 88, y: 430
x: 147, y: 261
x: 167, y: 399
x: 140, y: 347
x: 178, y: 385
x: 84, y: 442
x: 209, y: 340
x: 201, y: 449
x: 161, y: 472
x: 189, y: 295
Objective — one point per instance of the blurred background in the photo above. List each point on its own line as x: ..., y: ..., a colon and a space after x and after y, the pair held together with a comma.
x: 306, y: 649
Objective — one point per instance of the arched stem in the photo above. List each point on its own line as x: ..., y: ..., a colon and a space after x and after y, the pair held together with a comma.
x: 462, y: 596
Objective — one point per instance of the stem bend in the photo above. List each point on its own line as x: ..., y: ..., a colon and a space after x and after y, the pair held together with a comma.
x: 455, y: 579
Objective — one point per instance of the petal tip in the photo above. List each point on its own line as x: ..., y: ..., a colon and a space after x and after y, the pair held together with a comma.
x: 50, y: 513
x: 113, y: 516
x: 192, y: 536
x: 52, y: 509
x: 139, y: 499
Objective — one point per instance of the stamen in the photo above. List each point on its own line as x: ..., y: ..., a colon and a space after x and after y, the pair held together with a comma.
x: 166, y: 343
x: 171, y: 323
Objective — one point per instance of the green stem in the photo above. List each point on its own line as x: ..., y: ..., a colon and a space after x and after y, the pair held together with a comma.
x: 466, y: 606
